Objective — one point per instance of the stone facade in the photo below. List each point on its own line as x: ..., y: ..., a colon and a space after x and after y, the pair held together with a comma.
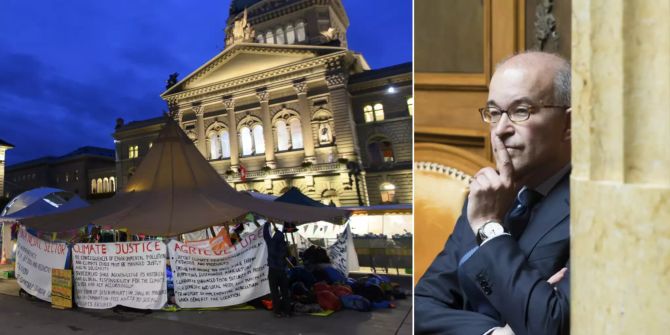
x: 288, y: 114
x: 71, y: 172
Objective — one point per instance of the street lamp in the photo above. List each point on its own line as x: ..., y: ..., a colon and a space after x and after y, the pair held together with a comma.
x: 355, y: 170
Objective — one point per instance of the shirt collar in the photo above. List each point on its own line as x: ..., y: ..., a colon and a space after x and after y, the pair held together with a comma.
x: 548, y: 184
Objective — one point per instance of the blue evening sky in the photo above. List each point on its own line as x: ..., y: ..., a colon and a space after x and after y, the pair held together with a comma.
x: 70, y: 68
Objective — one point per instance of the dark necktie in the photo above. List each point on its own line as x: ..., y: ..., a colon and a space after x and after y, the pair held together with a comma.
x: 517, y: 218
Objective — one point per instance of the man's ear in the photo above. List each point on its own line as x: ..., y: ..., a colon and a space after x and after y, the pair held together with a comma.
x: 567, y: 132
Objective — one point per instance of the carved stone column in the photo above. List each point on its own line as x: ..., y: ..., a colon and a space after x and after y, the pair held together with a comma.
x: 200, y: 128
x: 345, y: 127
x: 264, y: 97
x: 305, y: 120
x: 620, y: 200
x: 229, y: 104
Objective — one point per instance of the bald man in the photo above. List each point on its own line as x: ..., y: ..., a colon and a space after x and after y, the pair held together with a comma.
x: 504, y: 269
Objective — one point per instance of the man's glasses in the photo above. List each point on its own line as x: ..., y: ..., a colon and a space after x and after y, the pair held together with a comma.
x: 516, y: 113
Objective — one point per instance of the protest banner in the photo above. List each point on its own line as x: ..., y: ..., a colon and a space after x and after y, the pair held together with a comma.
x: 209, y: 278
x: 342, y: 253
x: 130, y: 274
x: 61, y: 288
x: 35, y: 259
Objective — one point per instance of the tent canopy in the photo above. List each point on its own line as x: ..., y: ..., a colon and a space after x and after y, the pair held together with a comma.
x: 41, y: 201
x: 175, y: 190
x: 294, y: 196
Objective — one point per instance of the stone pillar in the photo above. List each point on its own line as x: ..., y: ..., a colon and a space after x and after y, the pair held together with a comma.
x: 345, y: 127
x: 200, y: 128
x: 620, y: 206
x: 305, y: 120
x: 229, y: 104
x: 264, y: 97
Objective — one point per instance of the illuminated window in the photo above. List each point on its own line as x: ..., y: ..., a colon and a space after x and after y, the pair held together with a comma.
x: 112, y: 184
x: 151, y: 144
x: 94, y: 187
x: 296, y: 133
x: 100, y: 189
x: 379, y: 112
x: 260, y: 38
x: 67, y: 177
x: 246, y: 141
x: 269, y: 37
x: 367, y: 112
x: 105, y: 185
x: 300, y: 32
x: 410, y: 105
x: 259, y: 142
x: 387, y: 192
x: 214, y: 146
x: 290, y: 34
x: 225, y: 144
x: 282, y: 136
x: 279, y: 36
x: 133, y: 151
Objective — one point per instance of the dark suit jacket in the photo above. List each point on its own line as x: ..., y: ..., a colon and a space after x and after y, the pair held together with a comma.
x: 504, y: 281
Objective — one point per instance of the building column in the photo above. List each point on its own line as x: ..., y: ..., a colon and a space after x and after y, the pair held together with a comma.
x: 305, y: 120
x: 2, y: 171
x: 264, y: 97
x: 345, y: 127
x: 200, y: 128
x: 229, y: 104
x: 620, y: 179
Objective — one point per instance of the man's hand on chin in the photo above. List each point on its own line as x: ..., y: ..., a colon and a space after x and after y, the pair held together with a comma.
x: 492, y: 192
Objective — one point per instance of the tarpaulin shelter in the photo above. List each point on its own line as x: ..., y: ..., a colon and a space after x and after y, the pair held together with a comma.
x: 41, y: 201
x: 294, y: 196
x: 175, y: 190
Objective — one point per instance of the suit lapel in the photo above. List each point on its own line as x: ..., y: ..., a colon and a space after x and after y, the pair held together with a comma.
x: 546, y: 215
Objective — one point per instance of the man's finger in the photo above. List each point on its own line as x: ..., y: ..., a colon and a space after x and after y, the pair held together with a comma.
x: 503, y: 161
x: 557, y: 276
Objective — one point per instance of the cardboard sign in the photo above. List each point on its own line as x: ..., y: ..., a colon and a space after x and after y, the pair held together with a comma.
x: 61, y: 288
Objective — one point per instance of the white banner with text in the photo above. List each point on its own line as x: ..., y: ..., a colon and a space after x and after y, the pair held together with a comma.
x: 34, y: 260
x: 130, y: 274
x: 208, y: 278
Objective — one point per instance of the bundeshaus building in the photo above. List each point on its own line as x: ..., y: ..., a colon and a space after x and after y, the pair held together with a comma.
x: 286, y: 103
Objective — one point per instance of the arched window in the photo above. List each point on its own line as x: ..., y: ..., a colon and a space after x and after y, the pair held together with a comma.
x: 259, y: 142
x: 260, y: 38
x: 269, y: 37
x: 283, y: 137
x: 214, y: 146
x: 296, y: 133
x: 105, y: 185
x: 94, y: 188
x: 387, y: 192
x: 290, y: 34
x: 279, y: 36
x: 300, y: 31
x: 367, y: 112
x: 410, y: 105
x: 112, y: 184
x: 379, y: 112
x: 225, y: 144
x: 100, y: 189
x: 246, y: 141
x: 381, y: 151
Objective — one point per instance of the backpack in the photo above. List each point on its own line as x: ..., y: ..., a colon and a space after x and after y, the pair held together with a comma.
x: 328, y: 300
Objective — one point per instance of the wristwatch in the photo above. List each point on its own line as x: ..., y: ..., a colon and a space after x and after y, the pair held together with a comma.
x: 489, y: 230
